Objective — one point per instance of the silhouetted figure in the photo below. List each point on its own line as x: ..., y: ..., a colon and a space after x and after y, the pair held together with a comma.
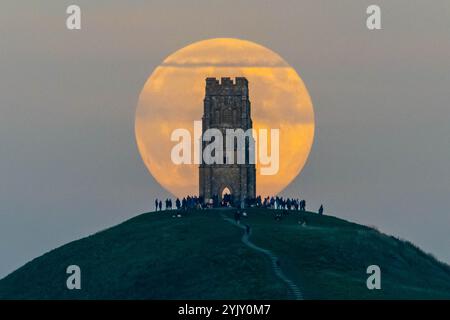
x: 160, y: 205
x: 156, y: 204
x: 237, y: 216
x: 321, y: 210
x: 278, y: 262
x: 303, y: 205
x: 178, y: 203
x: 278, y: 216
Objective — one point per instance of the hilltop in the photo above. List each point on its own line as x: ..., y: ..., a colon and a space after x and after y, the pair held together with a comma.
x: 201, y: 256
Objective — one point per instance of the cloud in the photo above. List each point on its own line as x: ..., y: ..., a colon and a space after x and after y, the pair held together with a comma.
x: 225, y: 65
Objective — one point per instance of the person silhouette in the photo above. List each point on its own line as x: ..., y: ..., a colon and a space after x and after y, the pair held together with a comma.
x: 156, y: 204
x: 160, y: 205
x: 237, y: 216
x: 321, y: 210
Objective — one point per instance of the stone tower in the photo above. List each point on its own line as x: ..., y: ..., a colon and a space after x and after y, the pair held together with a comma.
x: 227, y: 106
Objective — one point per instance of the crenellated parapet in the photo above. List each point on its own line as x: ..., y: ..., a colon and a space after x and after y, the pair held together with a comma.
x: 226, y: 87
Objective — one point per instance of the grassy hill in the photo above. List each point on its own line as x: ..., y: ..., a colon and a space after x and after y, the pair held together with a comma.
x: 201, y: 256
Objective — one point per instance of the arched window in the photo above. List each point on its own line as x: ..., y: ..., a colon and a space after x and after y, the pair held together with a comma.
x: 228, y: 116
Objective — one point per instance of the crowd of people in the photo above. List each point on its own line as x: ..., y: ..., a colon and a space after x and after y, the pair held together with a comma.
x: 194, y: 202
x: 278, y: 203
x: 189, y: 202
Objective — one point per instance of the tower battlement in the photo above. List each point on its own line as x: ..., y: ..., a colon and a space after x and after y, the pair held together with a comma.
x: 226, y: 86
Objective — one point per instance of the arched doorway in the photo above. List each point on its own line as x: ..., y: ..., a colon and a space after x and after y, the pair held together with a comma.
x: 226, y: 197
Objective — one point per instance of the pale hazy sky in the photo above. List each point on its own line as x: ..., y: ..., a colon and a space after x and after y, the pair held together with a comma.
x: 69, y: 165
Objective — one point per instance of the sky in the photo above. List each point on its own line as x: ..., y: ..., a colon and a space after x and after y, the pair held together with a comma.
x: 69, y: 164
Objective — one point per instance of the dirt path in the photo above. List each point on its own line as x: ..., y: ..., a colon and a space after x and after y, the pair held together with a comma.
x: 294, y: 291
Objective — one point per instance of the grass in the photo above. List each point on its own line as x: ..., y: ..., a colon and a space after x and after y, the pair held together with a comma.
x: 200, y: 256
x: 328, y: 258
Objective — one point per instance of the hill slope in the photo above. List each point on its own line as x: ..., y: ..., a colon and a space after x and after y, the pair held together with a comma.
x: 201, y: 256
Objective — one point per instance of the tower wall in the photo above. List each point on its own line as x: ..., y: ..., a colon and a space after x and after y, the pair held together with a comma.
x: 227, y: 106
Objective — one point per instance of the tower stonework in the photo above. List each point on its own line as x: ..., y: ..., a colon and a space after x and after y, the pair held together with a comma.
x: 227, y: 106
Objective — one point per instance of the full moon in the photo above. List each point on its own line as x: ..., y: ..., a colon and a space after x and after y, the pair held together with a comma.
x: 172, y: 98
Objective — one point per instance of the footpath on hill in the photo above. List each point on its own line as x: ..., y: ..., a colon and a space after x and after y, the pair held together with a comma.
x: 294, y: 290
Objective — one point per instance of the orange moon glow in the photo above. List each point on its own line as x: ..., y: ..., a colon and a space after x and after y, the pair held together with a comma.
x: 173, y: 98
